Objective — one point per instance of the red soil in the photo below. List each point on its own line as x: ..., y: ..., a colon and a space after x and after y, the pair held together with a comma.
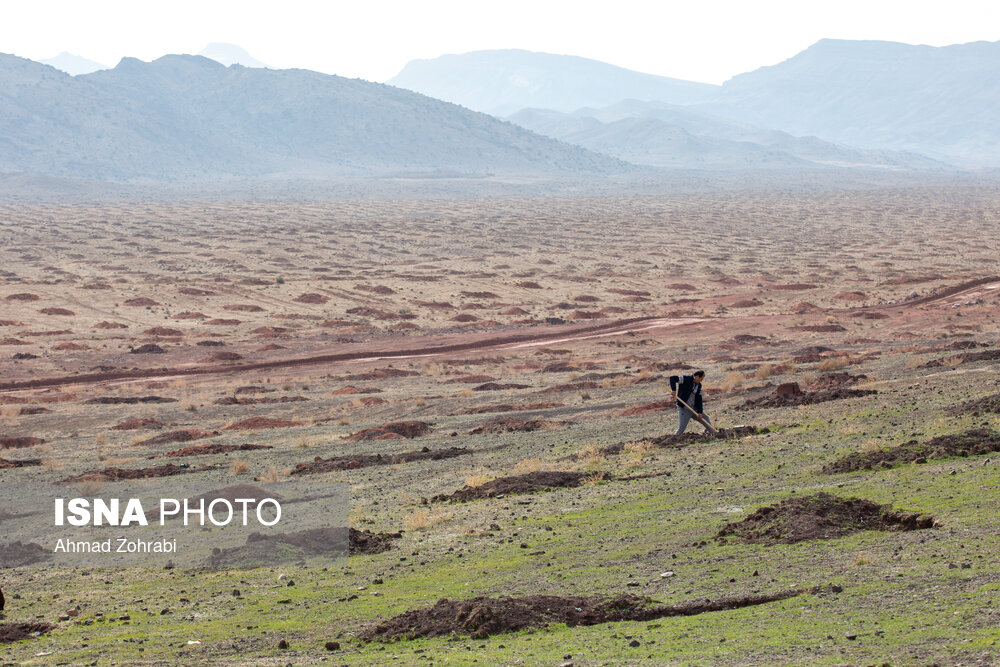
x: 261, y: 422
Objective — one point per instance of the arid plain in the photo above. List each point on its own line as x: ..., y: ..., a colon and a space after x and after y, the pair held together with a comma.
x: 487, y: 375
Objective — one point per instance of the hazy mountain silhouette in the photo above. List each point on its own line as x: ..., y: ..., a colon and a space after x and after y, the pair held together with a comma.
x: 505, y: 81
x: 942, y: 101
x: 189, y: 117
x: 229, y: 54
x: 73, y: 65
x: 660, y: 135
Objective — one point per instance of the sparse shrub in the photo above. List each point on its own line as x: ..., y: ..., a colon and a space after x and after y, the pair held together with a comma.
x: 525, y: 466
x: 764, y: 371
x: 274, y: 475
x: 420, y: 401
x: 89, y: 488
x: 807, y: 379
x: 101, y: 439
x: 595, y: 478
x: 9, y: 414
x: 640, y: 447
x: 833, y: 364
x: 477, y: 479
x: 422, y: 519
x: 239, y: 467
x: 590, y: 453
x: 731, y: 381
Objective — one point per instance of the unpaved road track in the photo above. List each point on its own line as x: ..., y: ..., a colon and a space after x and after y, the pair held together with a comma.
x: 458, y: 343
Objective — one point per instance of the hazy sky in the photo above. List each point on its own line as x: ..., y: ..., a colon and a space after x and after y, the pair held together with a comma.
x: 706, y: 40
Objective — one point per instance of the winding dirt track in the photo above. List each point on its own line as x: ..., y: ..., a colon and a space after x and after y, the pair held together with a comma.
x: 465, y: 342
x: 486, y: 341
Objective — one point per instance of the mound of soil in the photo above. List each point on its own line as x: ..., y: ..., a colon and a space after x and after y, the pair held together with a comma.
x: 223, y: 356
x: 974, y: 442
x: 789, y: 394
x: 794, y: 286
x: 130, y: 400
x: 243, y: 308
x: 528, y: 284
x: 148, y: 348
x: 69, y: 346
x: 483, y: 616
x: 746, y: 303
x: 210, y: 343
x: 180, y: 435
x: 818, y: 517
x: 190, y: 315
x: 404, y: 429
x: 364, y: 542
x: 356, y: 390
x: 835, y: 380
x: 508, y: 407
x: 480, y: 295
x: 261, y: 422
x: 353, y: 461
x: 163, y: 331
x: 210, y: 448
x: 311, y: 297
x: 23, y: 356
x: 194, y: 291
x: 954, y: 360
x: 13, y: 632
x: 515, y: 311
x: 24, y: 297
x: 13, y: 341
x: 234, y: 400
x: 141, y: 301
x: 850, y: 296
x: 118, y: 474
x: 511, y: 425
x: 532, y: 482
x: 20, y: 442
x: 494, y: 386
x: 136, y: 424
x: 56, y: 311
x: 471, y: 379
x: 822, y: 328
x: 19, y: 554
x: 223, y: 322
x: 22, y: 463
x: 988, y: 404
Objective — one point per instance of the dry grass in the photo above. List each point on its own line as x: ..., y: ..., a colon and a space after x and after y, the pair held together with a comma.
x: 274, y: 475
x: 526, y: 466
x: 52, y: 465
x: 731, y: 381
x: 423, y: 519
x: 640, y: 448
x: 591, y: 453
x: 807, y: 379
x: 9, y: 415
x: 833, y: 364
x: 90, y: 488
x: 595, y: 478
x: 477, y: 479
x: 239, y: 467
x: 101, y: 439
x: 764, y: 371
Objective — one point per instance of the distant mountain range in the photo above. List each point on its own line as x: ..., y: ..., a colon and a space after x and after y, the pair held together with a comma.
x: 73, y: 65
x: 229, y: 54
x: 189, y: 117
x: 505, y: 81
x: 943, y: 102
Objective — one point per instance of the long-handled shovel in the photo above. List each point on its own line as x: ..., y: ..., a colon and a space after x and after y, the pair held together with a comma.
x: 701, y: 421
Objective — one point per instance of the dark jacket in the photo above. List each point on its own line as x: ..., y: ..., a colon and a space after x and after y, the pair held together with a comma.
x: 687, y: 390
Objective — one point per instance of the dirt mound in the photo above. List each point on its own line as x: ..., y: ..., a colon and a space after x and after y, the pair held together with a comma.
x: 223, y: 356
x: 794, y: 286
x: 129, y: 400
x: 956, y: 359
x: 223, y: 322
x: 471, y: 379
x: 69, y: 346
x: 22, y: 463
x: 480, y: 295
x: 511, y: 425
x: 818, y: 517
x: 789, y: 394
x: 974, y: 442
x: 23, y: 356
x: 20, y: 442
x: 19, y: 554
x: 311, y: 297
x: 261, y: 422
x: 835, y: 380
x: 202, y: 450
x: 746, y: 303
x: 148, y: 348
x: 364, y: 542
x: 194, y: 291
x: 24, y: 297
x: 532, y: 482
x: 508, y: 407
x: 180, y: 435
x: 234, y: 400
x: 988, y: 404
x: 353, y: 461
x: 12, y: 632
x: 141, y: 301
x: 56, y: 311
x: 243, y: 308
x: 404, y: 429
x: 821, y: 328
x: 163, y: 331
x: 482, y: 617
x: 190, y: 315
x: 850, y: 296
x: 495, y: 386
x: 117, y: 474
x: 356, y: 390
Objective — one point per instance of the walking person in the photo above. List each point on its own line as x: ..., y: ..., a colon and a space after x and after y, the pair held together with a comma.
x: 687, y: 388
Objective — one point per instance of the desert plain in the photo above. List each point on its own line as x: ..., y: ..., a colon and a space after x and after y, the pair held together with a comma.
x: 488, y: 375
